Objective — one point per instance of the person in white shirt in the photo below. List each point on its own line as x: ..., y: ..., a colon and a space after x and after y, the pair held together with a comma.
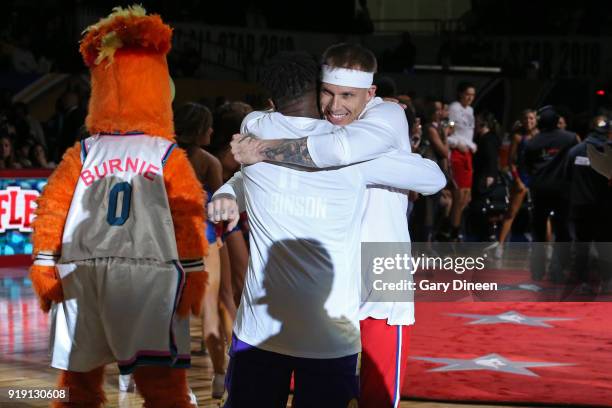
x: 462, y: 147
x: 369, y: 128
x: 300, y: 306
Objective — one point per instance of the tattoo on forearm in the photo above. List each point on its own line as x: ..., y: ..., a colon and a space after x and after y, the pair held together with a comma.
x: 292, y: 151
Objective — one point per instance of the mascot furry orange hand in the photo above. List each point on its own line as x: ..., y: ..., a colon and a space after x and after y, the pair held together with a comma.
x: 118, y: 238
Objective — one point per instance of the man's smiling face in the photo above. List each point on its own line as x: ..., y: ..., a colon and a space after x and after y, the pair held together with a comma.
x: 342, y: 105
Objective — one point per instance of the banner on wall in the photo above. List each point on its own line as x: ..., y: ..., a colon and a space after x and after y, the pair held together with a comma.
x: 19, y: 190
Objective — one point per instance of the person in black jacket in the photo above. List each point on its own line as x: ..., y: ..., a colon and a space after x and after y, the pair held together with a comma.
x: 590, y: 209
x: 486, y: 158
x: 544, y: 162
x: 486, y: 167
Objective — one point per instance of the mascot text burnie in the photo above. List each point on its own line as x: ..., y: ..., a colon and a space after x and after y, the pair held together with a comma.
x: 118, y: 238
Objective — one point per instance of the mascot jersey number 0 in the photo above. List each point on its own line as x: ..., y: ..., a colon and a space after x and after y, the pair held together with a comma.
x: 118, y: 238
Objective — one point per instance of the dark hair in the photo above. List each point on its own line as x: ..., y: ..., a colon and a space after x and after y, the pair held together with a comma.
x: 228, y: 118
x: 190, y: 121
x: 548, y: 118
x: 429, y: 108
x: 347, y: 55
x: 410, y: 118
x: 385, y: 86
x: 489, y: 120
x: 11, y: 160
x: 289, y: 75
x: 33, y: 158
x: 463, y: 86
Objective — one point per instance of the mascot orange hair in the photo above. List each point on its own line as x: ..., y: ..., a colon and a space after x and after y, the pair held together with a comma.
x: 118, y: 238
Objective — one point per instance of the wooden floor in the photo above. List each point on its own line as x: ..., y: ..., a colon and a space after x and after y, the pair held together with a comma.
x: 24, y: 360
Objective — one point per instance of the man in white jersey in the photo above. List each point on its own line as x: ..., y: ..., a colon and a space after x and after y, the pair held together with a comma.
x: 462, y: 147
x: 311, y: 220
x: 370, y: 127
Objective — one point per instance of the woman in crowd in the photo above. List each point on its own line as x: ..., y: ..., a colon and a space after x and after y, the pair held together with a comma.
x: 7, y: 154
x: 193, y: 123
x: 433, y: 146
x: 22, y: 153
x: 528, y: 128
x: 38, y: 157
x: 228, y: 118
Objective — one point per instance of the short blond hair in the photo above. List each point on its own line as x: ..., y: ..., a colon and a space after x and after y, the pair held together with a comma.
x: 352, y: 56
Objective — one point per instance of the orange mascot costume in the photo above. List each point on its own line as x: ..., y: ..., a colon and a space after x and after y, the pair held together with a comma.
x: 118, y: 238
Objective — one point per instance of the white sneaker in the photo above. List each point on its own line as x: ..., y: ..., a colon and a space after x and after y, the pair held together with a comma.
x: 499, y: 252
x: 491, y: 246
x: 126, y: 383
x: 218, y: 386
x: 192, y: 398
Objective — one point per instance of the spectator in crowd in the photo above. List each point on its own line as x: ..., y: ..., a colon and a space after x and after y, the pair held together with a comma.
x: 436, y: 134
x: 228, y: 118
x: 520, y: 180
x: 7, y: 154
x: 434, y: 146
x: 486, y: 168
x: 544, y: 161
x: 38, y: 157
x: 590, y: 204
x: 486, y: 158
x: 21, y: 113
x: 193, y: 124
x: 385, y: 87
x: 461, y: 115
x: 22, y: 153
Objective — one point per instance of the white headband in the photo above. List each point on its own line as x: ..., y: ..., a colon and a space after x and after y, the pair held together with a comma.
x: 346, y: 77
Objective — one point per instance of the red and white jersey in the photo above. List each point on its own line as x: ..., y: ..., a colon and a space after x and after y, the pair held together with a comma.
x: 464, y: 125
x: 120, y: 206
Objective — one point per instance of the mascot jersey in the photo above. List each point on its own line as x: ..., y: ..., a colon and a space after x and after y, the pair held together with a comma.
x: 119, y: 230
x: 122, y: 181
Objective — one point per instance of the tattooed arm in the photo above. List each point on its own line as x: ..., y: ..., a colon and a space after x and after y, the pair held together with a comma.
x: 381, y: 129
x: 250, y: 150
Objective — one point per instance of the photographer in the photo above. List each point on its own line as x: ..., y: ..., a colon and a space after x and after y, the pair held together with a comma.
x: 590, y: 201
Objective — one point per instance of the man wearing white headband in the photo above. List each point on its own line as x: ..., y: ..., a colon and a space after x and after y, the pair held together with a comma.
x: 368, y: 127
x: 300, y: 305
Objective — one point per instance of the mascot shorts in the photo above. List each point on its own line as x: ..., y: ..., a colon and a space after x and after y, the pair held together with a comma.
x: 119, y: 310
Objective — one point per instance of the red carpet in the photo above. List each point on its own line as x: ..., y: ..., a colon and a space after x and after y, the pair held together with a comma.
x: 583, y: 345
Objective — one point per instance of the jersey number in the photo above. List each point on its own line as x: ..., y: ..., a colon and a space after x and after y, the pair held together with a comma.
x: 111, y: 217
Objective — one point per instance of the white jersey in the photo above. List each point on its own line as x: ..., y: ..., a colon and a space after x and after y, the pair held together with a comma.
x: 301, y: 295
x: 464, y: 125
x: 382, y: 127
x: 120, y: 207
x: 384, y: 218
